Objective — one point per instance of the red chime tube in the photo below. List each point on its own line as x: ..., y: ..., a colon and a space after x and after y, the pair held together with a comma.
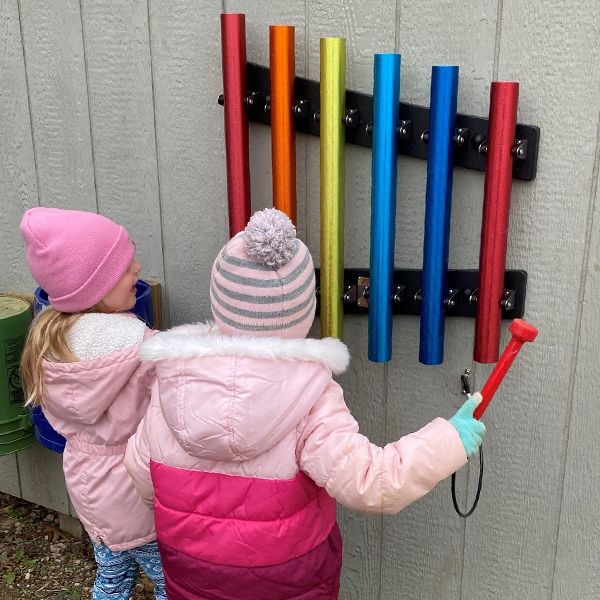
x: 233, y: 51
x: 494, y: 229
x: 283, y: 133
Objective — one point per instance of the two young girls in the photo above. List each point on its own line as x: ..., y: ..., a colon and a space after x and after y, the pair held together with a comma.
x: 247, y: 443
x: 81, y: 364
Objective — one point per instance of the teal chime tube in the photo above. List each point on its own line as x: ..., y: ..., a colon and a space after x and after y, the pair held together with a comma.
x: 386, y: 92
x: 440, y: 157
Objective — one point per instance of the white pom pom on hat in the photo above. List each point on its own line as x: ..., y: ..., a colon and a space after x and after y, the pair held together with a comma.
x: 270, y: 238
x: 263, y: 280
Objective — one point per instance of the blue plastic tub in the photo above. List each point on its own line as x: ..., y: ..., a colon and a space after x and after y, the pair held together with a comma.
x: 44, y: 433
x: 142, y: 308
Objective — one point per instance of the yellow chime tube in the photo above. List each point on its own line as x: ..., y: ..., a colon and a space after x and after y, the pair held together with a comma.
x: 333, y: 91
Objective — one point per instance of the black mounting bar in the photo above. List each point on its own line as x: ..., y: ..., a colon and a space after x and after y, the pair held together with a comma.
x: 461, y: 298
x: 470, y: 139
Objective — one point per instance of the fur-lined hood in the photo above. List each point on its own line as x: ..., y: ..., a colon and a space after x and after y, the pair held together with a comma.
x: 232, y: 398
x: 205, y: 339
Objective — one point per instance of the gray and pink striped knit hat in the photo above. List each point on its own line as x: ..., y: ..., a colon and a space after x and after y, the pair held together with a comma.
x: 263, y: 280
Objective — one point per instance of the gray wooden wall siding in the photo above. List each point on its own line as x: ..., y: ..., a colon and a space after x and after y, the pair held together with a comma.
x: 111, y: 106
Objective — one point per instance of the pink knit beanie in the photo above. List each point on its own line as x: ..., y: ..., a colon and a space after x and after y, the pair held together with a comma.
x: 263, y: 280
x: 76, y: 257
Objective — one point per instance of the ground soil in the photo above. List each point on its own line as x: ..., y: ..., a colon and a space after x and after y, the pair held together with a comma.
x: 39, y: 561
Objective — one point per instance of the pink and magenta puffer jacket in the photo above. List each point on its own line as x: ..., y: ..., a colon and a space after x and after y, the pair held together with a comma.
x: 246, y: 446
x: 97, y: 405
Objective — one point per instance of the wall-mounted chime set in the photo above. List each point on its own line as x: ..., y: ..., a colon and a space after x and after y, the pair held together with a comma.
x: 498, y: 145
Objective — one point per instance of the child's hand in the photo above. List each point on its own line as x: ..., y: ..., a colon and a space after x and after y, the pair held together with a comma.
x: 470, y: 430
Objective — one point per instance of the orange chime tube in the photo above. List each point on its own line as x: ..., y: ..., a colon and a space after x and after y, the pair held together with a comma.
x: 233, y: 49
x: 494, y: 229
x: 283, y: 133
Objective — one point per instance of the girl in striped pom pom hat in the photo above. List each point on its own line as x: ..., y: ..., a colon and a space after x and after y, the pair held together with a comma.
x: 248, y: 443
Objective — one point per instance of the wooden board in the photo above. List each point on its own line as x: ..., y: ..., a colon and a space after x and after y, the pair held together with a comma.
x: 368, y: 28
x: 18, y: 183
x: 510, y: 540
x: 119, y: 77
x: 185, y: 47
x: 58, y: 98
x: 576, y: 571
x: 423, y: 545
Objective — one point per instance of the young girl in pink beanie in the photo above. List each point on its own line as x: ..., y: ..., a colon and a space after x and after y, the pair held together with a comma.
x: 81, y: 364
x: 248, y: 443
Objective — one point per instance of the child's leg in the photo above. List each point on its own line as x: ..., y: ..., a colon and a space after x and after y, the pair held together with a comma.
x: 148, y: 557
x: 116, y: 575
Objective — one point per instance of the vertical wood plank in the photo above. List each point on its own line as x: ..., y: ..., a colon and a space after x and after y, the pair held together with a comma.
x: 510, y: 540
x: 185, y: 44
x: 54, y: 56
x: 117, y: 50
x: 18, y: 184
x: 368, y: 28
x: 578, y: 545
x: 423, y: 546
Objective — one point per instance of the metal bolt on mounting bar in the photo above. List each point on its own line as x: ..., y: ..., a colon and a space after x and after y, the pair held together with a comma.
x: 351, y: 118
x: 252, y: 99
x: 350, y: 294
x: 519, y: 150
x: 508, y: 300
x: 460, y: 137
x: 425, y: 136
x: 480, y: 142
x: 301, y: 108
x: 404, y: 129
x: 399, y: 294
x: 369, y: 128
x: 418, y: 296
x: 316, y: 117
x: 450, y: 301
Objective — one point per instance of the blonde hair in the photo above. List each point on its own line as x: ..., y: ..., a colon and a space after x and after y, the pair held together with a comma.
x: 46, y: 340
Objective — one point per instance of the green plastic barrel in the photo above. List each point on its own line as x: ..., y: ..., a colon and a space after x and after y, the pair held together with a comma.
x: 16, y: 428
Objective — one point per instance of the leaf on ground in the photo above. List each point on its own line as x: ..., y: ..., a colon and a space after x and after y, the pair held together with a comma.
x: 8, y: 577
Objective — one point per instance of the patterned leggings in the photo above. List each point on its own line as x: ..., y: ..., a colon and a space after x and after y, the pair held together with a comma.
x: 117, y: 571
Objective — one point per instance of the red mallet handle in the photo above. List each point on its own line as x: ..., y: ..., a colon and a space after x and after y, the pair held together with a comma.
x: 521, y: 332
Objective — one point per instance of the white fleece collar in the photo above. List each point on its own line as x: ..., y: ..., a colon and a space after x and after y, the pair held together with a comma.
x: 204, y: 339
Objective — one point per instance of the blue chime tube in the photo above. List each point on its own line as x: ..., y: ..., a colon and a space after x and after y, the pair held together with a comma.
x: 386, y: 92
x: 442, y: 117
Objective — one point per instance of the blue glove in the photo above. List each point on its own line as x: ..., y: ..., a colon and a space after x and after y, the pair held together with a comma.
x: 470, y: 430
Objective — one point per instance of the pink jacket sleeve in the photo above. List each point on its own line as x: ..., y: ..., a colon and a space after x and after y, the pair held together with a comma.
x: 365, y: 477
x: 137, y: 455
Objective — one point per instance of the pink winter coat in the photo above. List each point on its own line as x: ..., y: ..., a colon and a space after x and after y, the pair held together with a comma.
x: 97, y: 405
x: 245, y: 448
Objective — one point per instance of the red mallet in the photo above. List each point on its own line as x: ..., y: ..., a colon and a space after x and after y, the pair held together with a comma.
x: 521, y: 332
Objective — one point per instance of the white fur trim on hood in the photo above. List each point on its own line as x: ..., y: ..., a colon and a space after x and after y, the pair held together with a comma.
x: 204, y: 339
